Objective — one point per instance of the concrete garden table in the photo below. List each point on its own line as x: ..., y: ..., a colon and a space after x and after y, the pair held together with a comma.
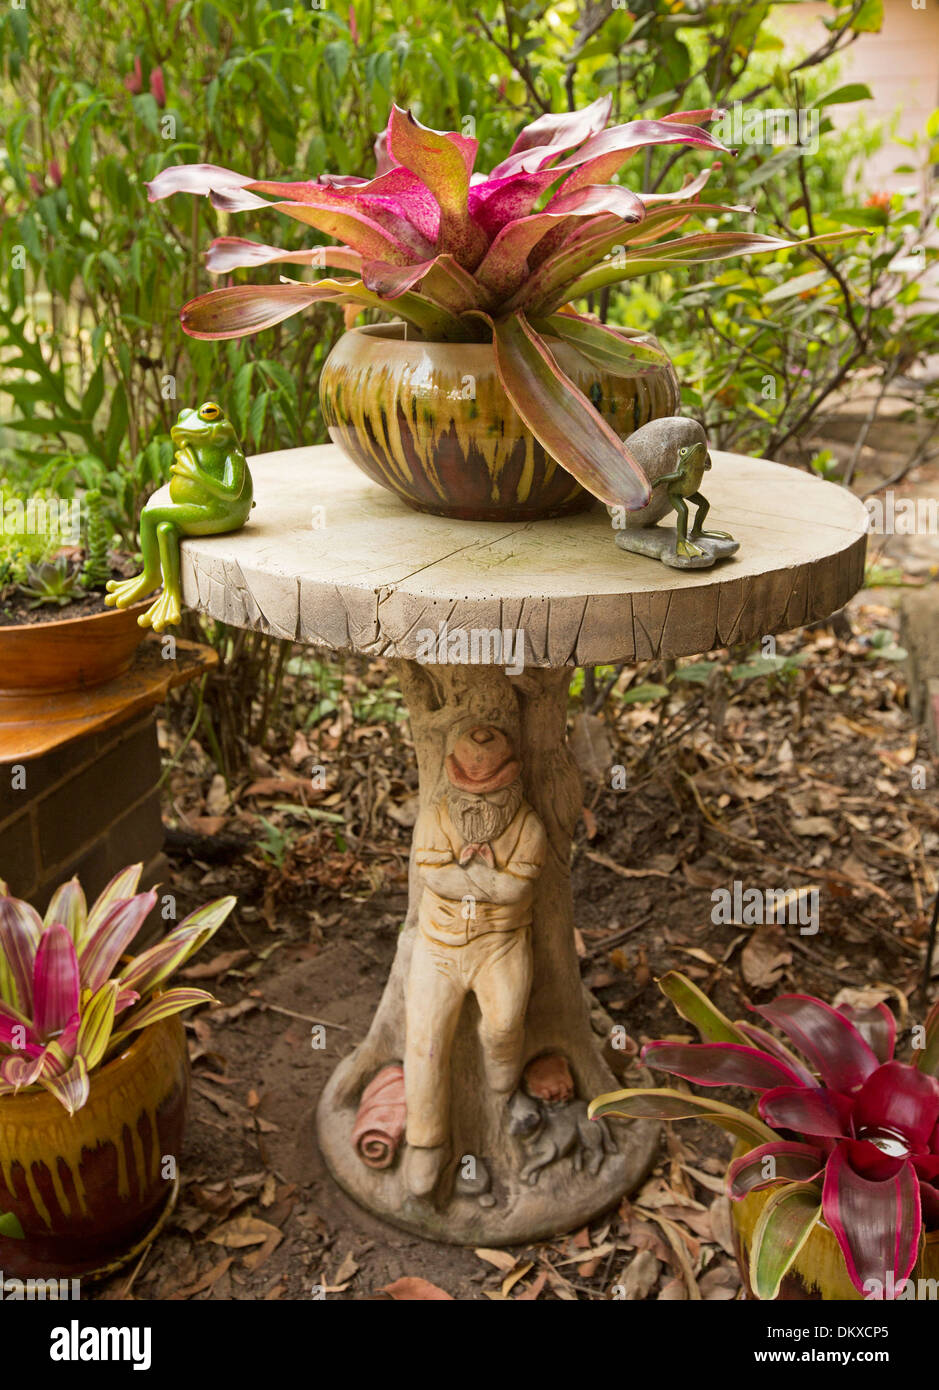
x: 483, y: 1037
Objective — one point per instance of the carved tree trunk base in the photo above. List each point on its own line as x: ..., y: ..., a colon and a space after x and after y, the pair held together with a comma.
x: 531, y: 708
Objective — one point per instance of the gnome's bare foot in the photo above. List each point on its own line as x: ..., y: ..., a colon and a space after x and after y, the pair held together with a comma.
x: 422, y: 1169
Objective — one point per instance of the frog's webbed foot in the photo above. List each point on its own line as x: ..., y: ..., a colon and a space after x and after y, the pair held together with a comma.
x: 165, y: 612
x: 688, y: 550
x: 715, y: 535
x: 121, y: 593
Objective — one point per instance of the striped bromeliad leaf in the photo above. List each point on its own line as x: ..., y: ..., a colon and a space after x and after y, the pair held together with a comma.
x: 69, y: 995
x: 785, y: 1224
x: 847, y: 1133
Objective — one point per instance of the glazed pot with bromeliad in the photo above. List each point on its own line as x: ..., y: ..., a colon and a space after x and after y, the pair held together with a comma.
x: 834, y: 1181
x: 94, y: 1077
x: 489, y: 397
x: 432, y: 422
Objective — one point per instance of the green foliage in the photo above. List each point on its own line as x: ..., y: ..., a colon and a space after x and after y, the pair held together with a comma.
x: 19, y: 551
x: 103, y: 96
x: 96, y: 570
x: 52, y: 581
x: 95, y: 365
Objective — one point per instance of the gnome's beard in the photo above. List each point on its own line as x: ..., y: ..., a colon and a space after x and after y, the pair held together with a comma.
x: 481, y: 818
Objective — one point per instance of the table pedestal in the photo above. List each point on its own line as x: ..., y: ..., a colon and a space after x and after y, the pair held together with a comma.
x: 512, y: 1166
x: 500, y: 989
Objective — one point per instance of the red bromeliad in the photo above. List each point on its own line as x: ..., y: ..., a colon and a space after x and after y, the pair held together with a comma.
x: 64, y: 982
x: 463, y: 256
x: 848, y: 1135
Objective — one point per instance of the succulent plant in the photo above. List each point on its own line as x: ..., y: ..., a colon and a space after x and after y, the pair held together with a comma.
x: 96, y: 570
x: 465, y: 256
x: 69, y: 1000
x: 845, y: 1133
x: 52, y: 581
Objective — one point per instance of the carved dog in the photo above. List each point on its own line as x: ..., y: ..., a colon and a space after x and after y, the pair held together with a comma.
x: 549, y: 1132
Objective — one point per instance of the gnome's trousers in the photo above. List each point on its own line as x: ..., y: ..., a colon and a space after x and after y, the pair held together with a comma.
x: 497, y: 968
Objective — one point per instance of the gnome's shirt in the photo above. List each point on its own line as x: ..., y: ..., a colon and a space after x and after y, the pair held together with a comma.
x: 519, y: 850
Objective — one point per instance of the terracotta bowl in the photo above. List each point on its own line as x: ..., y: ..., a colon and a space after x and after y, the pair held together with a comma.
x: 69, y: 653
x: 431, y: 422
x: 86, y: 1188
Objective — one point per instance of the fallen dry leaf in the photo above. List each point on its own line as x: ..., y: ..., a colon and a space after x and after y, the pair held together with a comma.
x: 764, y: 958
x: 639, y: 1277
x: 412, y: 1289
x: 212, y: 1274
x: 534, y: 1288
x: 500, y: 1258
x: 722, y: 1224
x: 510, y: 1280
x: 347, y: 1269
x: 206, y: 970
x: 814, y: 826
x: 242, y: 1230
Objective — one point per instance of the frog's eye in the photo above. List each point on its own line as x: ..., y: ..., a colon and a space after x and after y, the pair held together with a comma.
x: 682, y: 452
x: 210, y: 412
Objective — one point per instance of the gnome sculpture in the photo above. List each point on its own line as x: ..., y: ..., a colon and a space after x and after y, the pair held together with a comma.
x: 479, y: 850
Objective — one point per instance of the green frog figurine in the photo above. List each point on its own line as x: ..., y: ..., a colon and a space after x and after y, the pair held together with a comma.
x: 673, y: 453
x: 210, y: 492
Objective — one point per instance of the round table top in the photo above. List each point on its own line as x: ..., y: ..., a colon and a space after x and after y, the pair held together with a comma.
x: 331, y: 559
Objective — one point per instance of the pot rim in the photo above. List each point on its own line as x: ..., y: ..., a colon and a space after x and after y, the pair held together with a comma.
x: 394, y: 330
x: 57, y: 624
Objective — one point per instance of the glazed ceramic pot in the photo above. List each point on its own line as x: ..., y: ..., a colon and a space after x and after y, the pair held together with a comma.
x: 88, y: 1188
x: 431, y: 422
x: 69, y: 653
x: 818, y: 1272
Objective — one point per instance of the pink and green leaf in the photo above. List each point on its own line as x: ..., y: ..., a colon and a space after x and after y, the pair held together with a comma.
x: 785, y: 1224
x: 697, y: 249
x: 818, y: 1113
x: 20, y: 932
x: 71, y: 1087
x: 666, y: 1104
x: 562, y: 418
x: 19, y: 1071
x: 97, y: 1023
x: 173, y: 1001
x: 835, y: 1048
x: 228, y: 253
x: 362, y: 231
x: 927, y: 1057
x: 766, y: 1042
x: 876, y: 1223
x: 102, y: 950
x: 121, y: 887
x: 877, y: 1026
x: 695, y: 1007
x: 719, y: 1064
x: 770, y: 1164
x: 564, y: 130
x: 614, y: 350
x: 55, y: 981
x: 443, y: 162
x: 599, y: 158
x: 67, y: 905
x: 152, y: 967
x: 238, y: 310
